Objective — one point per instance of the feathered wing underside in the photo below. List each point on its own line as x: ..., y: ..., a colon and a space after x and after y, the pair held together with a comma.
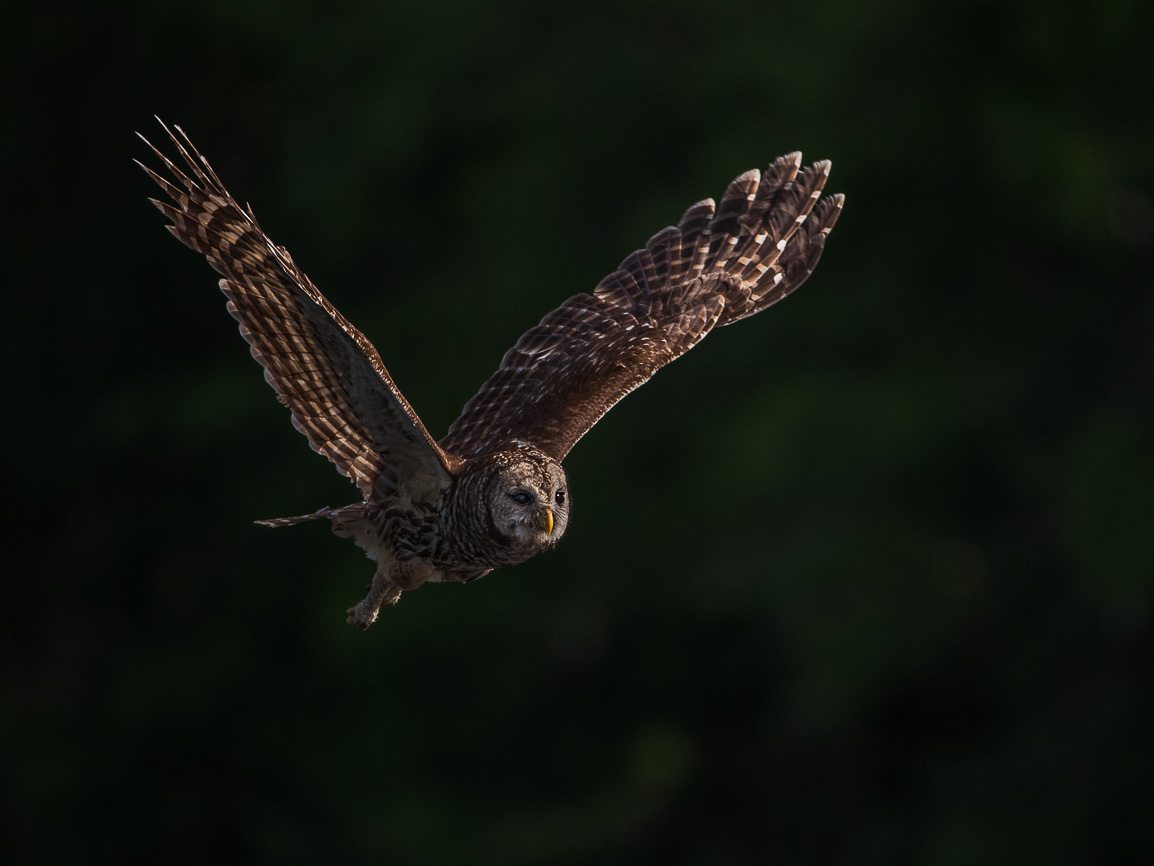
x: 341, y: 396
x: 720, y: 264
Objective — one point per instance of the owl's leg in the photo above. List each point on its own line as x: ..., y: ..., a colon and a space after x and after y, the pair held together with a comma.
x: 382, y: 593
x: 389, y: 582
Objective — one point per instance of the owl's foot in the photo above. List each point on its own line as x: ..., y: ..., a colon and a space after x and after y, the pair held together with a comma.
x: 364, y: 613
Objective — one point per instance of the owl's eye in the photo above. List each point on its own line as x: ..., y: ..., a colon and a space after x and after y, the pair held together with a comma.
x: 520, y: 497
x: 559, y: 497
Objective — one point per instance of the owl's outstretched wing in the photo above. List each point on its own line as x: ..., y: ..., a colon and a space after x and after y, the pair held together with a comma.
x: 341, y: 396
x: 717, y: 266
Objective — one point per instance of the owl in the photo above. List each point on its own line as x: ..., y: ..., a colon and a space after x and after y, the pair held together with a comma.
x: 492, y: 492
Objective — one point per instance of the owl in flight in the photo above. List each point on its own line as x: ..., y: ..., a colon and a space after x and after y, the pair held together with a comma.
x: 492, y: 491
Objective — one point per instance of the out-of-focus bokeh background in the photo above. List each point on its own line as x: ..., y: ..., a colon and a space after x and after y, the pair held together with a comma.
x: 865, y: 579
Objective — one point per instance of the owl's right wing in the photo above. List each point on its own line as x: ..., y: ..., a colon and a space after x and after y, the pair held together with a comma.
x: 720, y: 264
x: 341, y: 396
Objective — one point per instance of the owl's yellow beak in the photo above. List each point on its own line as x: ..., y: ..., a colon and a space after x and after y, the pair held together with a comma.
x: 548, y: 521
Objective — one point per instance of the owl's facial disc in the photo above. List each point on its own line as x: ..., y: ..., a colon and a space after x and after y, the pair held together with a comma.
x: 529, y: 513
x: 530, y: 506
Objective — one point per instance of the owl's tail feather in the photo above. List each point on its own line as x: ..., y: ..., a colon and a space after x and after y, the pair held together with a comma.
x: 292, y: 521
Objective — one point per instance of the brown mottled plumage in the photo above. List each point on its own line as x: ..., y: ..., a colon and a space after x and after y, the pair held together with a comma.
x: 492, y: 492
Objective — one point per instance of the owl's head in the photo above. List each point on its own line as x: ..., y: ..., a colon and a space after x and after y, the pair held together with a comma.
x: 527, y: 497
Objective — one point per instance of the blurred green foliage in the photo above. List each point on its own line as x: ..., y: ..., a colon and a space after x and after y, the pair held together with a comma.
x: 867, y: 579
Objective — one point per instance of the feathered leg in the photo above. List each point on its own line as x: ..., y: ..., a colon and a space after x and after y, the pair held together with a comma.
x: 392, y: 578
x: 382, y: 593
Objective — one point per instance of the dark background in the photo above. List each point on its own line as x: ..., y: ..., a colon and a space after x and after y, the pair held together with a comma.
x: 866, y: 579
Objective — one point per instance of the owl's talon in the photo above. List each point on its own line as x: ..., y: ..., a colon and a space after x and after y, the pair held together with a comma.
x: 381, y: 594
x: 360, y: 618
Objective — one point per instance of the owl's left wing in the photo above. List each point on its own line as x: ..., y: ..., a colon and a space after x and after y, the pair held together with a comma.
x: 331, y: 377
x: 719, y: 264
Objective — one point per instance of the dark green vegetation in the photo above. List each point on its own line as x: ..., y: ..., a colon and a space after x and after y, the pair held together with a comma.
x: 864, y: 579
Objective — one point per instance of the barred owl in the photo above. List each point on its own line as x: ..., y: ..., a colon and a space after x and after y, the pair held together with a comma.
x: 492, y: 491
